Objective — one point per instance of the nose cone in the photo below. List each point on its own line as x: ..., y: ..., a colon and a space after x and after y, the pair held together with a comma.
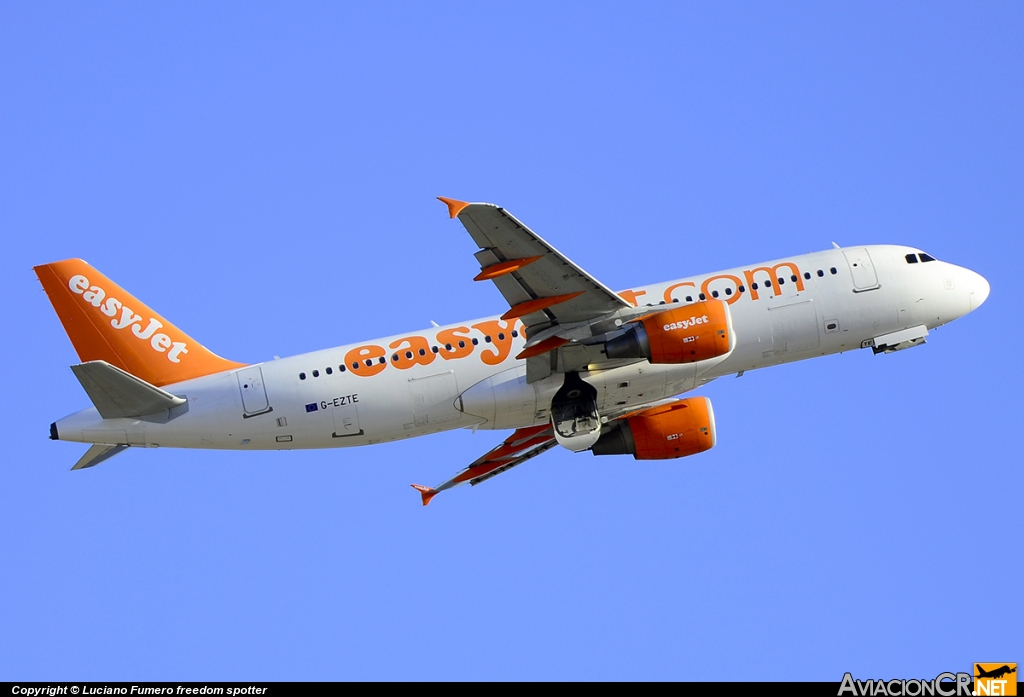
x: 978, y: 288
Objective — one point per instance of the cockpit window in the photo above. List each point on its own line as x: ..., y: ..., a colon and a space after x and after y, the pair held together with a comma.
x: 925, y: 257
x: 911, y: 258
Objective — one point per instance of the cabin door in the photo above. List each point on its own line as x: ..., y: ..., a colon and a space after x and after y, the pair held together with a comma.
x: 863, y: 271
x: 254, y: 394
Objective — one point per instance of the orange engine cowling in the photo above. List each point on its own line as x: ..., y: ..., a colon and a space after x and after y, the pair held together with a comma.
x: 686, y: 427
x: 684, y: 334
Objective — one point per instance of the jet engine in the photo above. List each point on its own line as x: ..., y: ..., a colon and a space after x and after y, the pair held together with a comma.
x: 674, y: 430
x: 684, y: 334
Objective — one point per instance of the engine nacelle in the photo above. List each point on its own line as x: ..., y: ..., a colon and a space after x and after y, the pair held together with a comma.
x: 684, y: 334
x: 675, y: 430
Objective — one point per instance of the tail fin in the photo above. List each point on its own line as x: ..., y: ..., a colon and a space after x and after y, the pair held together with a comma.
x: 105, y: 323
x: 426, y: 493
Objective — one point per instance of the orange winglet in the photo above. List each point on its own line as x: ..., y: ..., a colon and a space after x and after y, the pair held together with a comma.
x: 504, y: 267
x: 537, y: 305
x: 549, y: 344
x: 454, y: 207
x: 426, y: 493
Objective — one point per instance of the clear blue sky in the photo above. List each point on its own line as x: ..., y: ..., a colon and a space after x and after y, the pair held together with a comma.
x: 263, y: 175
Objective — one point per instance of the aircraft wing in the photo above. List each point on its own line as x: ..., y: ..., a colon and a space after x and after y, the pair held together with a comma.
x: 523, y: 444
x: 556, y: 300
x: 542, y: 286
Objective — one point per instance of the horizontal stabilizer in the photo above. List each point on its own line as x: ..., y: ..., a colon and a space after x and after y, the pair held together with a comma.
x: 97, y: 454
x: 117, y: 394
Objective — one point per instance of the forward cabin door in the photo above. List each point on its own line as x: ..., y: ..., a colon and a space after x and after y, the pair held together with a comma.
x: 254, y: 393
x: 861, y: 268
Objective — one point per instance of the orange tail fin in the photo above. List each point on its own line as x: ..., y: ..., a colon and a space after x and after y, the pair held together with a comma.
x: 106, y: 323
x: 426, y: 493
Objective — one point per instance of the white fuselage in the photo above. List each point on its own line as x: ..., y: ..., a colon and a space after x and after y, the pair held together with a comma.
x: 309, y: 401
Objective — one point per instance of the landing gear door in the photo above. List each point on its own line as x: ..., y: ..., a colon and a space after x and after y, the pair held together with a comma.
x: 863, y: 271
x: 254, y: 394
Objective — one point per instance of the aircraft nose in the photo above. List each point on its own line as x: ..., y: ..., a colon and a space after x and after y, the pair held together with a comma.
x: 978, y: 287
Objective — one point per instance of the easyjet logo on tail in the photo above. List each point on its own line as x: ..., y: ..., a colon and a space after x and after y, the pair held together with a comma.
x: 146, y: 329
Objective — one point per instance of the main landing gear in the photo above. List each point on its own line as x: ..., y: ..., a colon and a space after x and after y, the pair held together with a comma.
x: 574, y: 416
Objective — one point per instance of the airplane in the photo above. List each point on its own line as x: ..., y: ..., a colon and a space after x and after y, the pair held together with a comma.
x: 570, y: 363
x: 995, y: 672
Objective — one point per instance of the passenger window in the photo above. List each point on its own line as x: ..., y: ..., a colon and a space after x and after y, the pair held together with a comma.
x: 462, y: 344
x: 911, y: 258
x: 515, y: 333
x: 330, y: 370
x: 703, y: 297
x: 753, y: 286
x: 807, y: 275
x: 728, y: 291
x: 408, y: 354
x: 355, y: 365
x: 782, y: 281
x: 714, y: 294
x: 395, y: 358
x: 302, y: 376
x: 925, y: 257
x: 793, y: 278
x: 767, y: 284
x: 341, y: 368
x: 316, y: 373
x: 369, y: 362
x: 501, y: 336
x: 689, y: 298
x: 833, y: 270
x: 820, y: 273
x: 487, y: 339
x: 475, y: 341
x: 423, y: 352
x: 434, y: 349
x: 741, y: 289
x: 382, y: 360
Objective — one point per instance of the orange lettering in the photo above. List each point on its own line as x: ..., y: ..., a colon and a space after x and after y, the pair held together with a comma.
x: 730, y: 299
x: 356, y: 360
x: 671, y: 288
x: 773, y: 273
x: 631, y: 296
x: 454, y: 343
x: 412, y: 350
x: 501, y: 340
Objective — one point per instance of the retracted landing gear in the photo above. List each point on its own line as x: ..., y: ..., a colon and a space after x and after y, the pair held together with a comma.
x: 574, y: 416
